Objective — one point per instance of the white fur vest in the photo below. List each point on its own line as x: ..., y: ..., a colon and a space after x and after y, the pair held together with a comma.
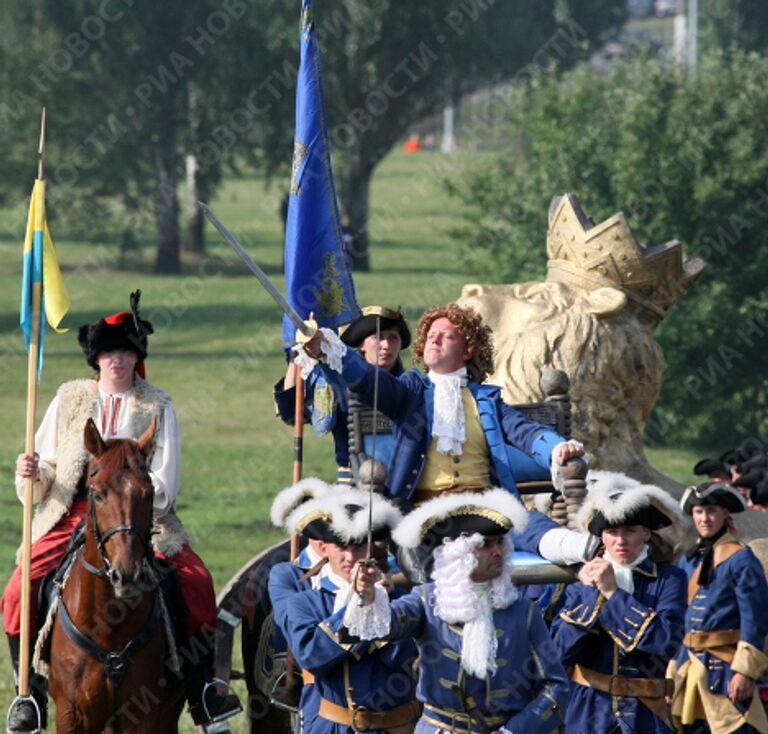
x: 79, y: 401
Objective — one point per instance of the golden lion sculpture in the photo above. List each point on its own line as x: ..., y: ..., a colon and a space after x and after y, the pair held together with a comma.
x: 593, y: 317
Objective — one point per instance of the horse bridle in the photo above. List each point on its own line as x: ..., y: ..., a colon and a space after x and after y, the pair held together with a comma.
x: 114, y: 662
x: 101, y: 539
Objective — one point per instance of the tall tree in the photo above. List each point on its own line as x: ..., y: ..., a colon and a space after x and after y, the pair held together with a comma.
x: 116, y: 77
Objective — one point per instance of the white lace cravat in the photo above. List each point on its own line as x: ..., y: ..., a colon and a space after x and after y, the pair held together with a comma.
x: 623, y: 573
x: 449, y: 425
x: 344, y: 590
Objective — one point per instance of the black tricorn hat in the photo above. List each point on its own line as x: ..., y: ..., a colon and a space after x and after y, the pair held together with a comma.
x: 713, y: 493
x: 617, y: 500
x: 122, y: 330
x: 356, y: 331
x: 712, y: 467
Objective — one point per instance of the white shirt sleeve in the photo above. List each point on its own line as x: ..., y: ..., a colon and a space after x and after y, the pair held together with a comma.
x: 45, y: 447
x: 165, y: 467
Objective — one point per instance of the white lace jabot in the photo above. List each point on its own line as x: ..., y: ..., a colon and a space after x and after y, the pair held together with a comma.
x: 449, y: 425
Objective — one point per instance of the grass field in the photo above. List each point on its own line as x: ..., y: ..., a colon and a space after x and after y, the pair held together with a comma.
x: 217, y: 350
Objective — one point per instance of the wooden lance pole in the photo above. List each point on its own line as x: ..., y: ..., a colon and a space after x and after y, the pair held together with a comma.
x: 29, y: 448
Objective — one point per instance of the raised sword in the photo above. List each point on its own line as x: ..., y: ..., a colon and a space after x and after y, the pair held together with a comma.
x: 263, y: 278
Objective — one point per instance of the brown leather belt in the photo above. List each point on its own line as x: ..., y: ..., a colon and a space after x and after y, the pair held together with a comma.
x: 720, y: 643
x: 308, y: 676
x: 361, y: 719
x: 714, y: 638
x: 458, y: 721
x: 651, y: 692
x: 618, y: 685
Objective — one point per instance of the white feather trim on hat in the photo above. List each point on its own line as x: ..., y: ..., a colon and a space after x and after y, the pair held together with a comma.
x: 409, y: 532
x: 614, y: 480
x: 617, y: 496
x: 347, y: 526
x: 288, y: 499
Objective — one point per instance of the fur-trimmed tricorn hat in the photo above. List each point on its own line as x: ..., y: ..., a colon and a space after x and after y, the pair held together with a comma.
x: 712, y: 493
x: 290, y: 498
x: 615, y: 499
x: 122, y: 330
x: 342, y: 518
x: 493, y: 512
x: 356, y: 331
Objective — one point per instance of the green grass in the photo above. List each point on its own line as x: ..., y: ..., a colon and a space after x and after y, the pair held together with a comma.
x: 216, y: 350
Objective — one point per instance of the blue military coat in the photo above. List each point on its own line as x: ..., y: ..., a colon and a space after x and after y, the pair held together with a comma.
x: 372, y: 675
x: 283, y: 585
x: 527, y: 693
x: 736, y: 598
x: 632, y: 635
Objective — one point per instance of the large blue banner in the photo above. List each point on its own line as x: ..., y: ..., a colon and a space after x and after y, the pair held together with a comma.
x: 317, y: 274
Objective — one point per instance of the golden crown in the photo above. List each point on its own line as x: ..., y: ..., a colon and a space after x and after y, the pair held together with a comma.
x: 591, y: 256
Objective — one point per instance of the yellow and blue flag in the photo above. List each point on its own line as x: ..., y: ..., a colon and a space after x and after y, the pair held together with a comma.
x: 41, y: 270
x: 317, y: 274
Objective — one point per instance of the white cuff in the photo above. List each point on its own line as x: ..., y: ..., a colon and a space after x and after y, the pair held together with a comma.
x: 563, y: 546
x: 372, y: 621
x: 558, y: 480
x: 332, y: 348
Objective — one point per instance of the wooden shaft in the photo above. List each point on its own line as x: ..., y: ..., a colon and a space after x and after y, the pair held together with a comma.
x: 298, y: 442
x: 41, y: 148
x: 298, y: 449
x: 29, y: 448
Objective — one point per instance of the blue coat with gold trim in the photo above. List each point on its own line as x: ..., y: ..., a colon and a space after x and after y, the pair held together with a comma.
x: 736, y: 598
x: 526, y: 694
x: 374, y: 675
x: 631, y: 635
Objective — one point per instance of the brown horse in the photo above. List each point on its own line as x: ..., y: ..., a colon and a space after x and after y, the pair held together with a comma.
x: 109, y: 648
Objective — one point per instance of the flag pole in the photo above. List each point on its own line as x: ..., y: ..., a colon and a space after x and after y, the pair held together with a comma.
x: 29, y: 448
x: 298, y: 443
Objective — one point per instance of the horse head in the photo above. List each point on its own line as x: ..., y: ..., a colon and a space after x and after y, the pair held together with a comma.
x: 120, y: 497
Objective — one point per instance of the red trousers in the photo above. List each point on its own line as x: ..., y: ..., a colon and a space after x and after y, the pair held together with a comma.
x: 195, y: 580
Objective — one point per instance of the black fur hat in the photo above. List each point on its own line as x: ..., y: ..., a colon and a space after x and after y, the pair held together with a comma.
x: 123, y: 330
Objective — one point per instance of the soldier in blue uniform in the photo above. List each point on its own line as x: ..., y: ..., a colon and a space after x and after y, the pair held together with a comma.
x: 326, y: 404
x: 356, y: 686
x: 487, y: 662
x: 451, y: 433
x: 726, y: 622
x: 623, y: 622
x: 286, y: 579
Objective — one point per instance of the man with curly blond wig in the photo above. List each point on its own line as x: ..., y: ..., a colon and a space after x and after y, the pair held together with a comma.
x: 452, y: 433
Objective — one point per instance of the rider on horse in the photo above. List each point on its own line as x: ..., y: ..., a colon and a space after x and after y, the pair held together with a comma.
x: 122, y: 404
